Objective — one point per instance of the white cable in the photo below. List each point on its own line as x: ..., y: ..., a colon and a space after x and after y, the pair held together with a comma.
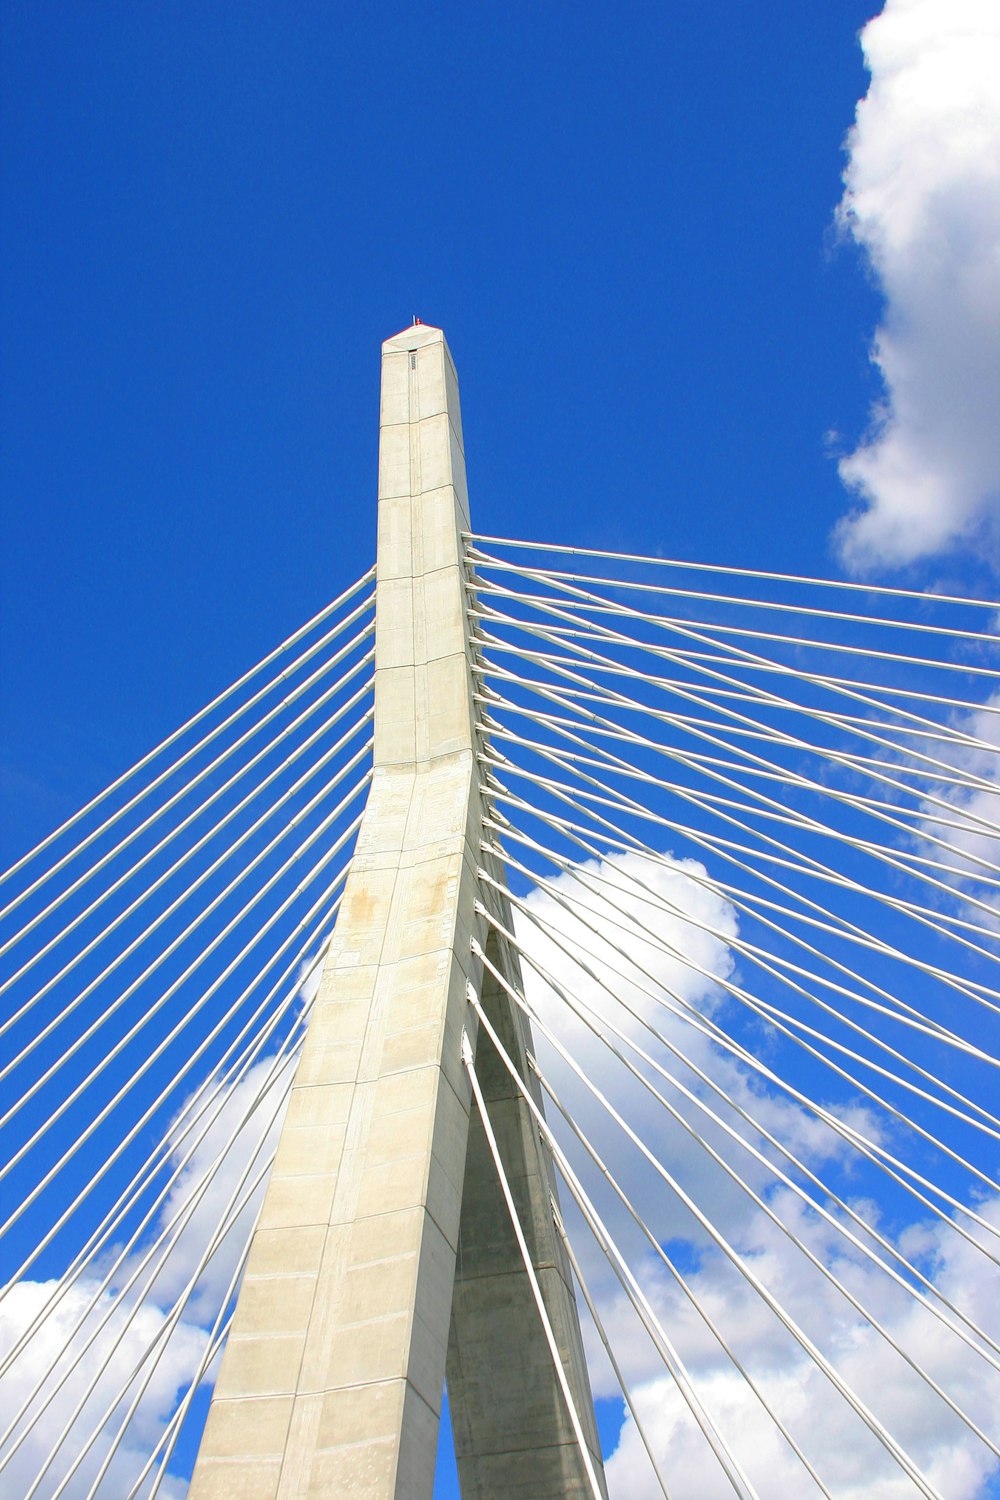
x: 921, y: 595
x: 795, y: 859
x: 619, y: 700
x: 722, y: 847
x: 179, y: 901
x: 160, y: 1339
x: 213, y: 734
x: 585, y: 628
x: 851, y: 724
x: 772, y: 964
x: 576, y: 835
x: 727, y: 1460
x: 260, y: 1182
x: 159, y: 1102
x: 675, y: 1273
x: 70, y: 1050
x: 161, y: 1046
x: 700, y: 729
x: 147, y: 1171
x: 171, y: 739
x: 216, y: 1341
x: 691, y: 627
x: 221, y: 1090
x: 935, y: 731
x: 165, y: 1243
x: 627, y: 1396
x: 129, y: 875
x: 743, y: 602
x: 698, y: 761
x: 687, y: 627
x: 608, y: 695
x: 752, y: 1003
x: 168, y: 1439
x: 187, y: 1211
x: 171, y: 801
x: 862, y: 1143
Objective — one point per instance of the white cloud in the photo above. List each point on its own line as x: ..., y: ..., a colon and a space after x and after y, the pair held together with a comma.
x: 43, y: 1362
x: 687, y: 955
x: 922, y: 198
x: 224, y: 1163
x: 850, y: 1460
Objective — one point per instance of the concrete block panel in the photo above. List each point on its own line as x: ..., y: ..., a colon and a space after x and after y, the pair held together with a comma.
x: 249, y: 1429
x: 395, y: 637
x: 259, y: 1366
x: 248, y: 1478
x: 358, y: 938
x: 439, y: 615
x: 547, y: 1473
x: 435, y: 450
x: 396, y: 557
x: 387, y: 812
x: 286, y: 1252
x: 310, y: 1150
x: 445, y: 706
x: 436, y: 540
x: 346, y: 985
x: 423, y: 915
x: 394, y: 397
x: 346, y: 1443
x: 432, y: 396
x: 452, y: 396
x: 342, y: 1413
x: 329, y: 1062
x: 394, y: 462
x: 276, y: 1305
x: 395, y: 707
x: 292, y: 1202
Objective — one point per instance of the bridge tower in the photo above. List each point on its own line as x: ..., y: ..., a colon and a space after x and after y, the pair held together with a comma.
x: 385, y: 1256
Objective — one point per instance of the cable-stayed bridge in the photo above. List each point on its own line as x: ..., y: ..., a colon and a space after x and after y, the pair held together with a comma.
x: 556, y: 972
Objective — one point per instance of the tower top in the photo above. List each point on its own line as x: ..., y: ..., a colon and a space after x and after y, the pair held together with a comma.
x: 417, y: 336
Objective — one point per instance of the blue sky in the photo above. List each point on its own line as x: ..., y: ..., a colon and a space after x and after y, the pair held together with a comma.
x: 625, y: 221
x: 213, y: 215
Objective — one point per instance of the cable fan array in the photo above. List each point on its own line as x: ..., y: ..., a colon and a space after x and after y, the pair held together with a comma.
x: 752, y: 858
x: 739, y: 871
x: 158, y: 975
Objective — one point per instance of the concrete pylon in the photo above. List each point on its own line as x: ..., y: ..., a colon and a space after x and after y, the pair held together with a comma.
x: 384, y: 1251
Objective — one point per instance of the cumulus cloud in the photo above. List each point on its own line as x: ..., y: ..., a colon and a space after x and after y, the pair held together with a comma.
x: 849, y: 1458
x: 686, y: 956
x: 634, y: 941
x: 56, y: 1350
x: 96, y: 1334
x: 922, y: 199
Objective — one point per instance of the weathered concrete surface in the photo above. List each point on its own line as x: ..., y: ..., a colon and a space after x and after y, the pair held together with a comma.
x: 331, y: 1382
